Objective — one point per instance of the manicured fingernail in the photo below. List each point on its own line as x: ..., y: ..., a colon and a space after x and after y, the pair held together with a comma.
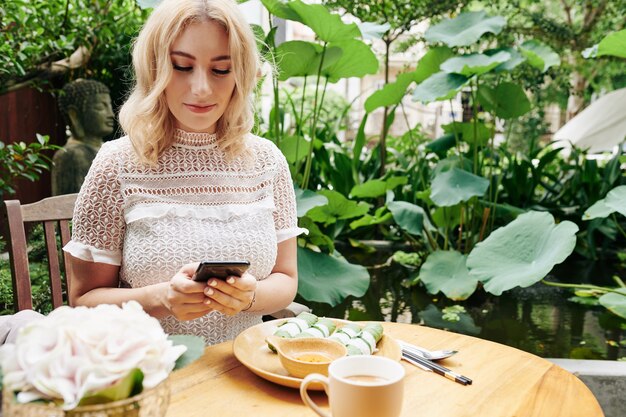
x: 209, y: 291
x: 213, y: 283
x: 231, y: 280
x: 207, y: 301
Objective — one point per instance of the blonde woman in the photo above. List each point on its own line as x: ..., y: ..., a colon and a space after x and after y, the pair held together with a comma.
x: 188, y: 183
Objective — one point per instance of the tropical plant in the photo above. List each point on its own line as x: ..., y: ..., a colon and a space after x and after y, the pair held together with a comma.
x: 21, y: 160
x: 461, y: 204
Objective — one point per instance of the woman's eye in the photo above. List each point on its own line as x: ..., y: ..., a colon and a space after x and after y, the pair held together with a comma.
x: 180, y: 68
x: 221, y: 72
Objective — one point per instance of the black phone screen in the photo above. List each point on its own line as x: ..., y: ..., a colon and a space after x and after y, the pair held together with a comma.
x: 220, y: 269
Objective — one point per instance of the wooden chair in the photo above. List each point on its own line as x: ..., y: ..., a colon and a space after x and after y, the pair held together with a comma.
x: 50, y: 211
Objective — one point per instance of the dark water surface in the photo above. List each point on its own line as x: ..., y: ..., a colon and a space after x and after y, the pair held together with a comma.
x: 538, y: 319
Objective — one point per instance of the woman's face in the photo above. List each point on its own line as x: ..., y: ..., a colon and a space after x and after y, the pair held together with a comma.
x: 202, y: 82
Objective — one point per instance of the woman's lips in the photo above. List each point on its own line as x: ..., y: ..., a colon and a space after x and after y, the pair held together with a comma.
x: 199, y: 108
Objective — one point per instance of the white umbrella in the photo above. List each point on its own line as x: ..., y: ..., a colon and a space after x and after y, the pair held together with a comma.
x: 599, y: 127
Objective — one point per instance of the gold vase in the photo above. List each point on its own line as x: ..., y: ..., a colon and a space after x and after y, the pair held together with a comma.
x: 150, y: 403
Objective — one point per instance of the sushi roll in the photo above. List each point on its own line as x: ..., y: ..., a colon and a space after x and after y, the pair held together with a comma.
x: 322, y: 328
x: 365, y: 342
x: 294, y: 326
x: 346, y: 332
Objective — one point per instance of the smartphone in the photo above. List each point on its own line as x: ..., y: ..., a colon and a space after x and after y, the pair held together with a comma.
x: 220, y: 270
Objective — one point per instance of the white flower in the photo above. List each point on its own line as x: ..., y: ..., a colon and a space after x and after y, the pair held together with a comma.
x: 74, y: 352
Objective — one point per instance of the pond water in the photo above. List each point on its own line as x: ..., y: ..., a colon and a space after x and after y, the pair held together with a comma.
x: 539, y: 319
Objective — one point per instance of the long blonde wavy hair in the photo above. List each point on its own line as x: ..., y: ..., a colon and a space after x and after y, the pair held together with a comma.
x: 145, y: 116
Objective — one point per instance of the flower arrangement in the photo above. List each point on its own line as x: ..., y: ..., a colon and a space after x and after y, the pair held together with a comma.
x: 82, y: 356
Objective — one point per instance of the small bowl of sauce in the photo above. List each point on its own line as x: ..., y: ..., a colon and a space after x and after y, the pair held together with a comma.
x: 303, y: 356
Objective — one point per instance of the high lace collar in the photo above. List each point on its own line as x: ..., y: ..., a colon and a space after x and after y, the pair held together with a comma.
x: 194, y: 139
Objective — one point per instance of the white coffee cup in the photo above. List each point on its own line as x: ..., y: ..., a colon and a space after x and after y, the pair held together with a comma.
x: 359, y: 386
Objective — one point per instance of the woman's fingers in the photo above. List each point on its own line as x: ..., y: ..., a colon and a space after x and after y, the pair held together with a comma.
x: 233, y: 295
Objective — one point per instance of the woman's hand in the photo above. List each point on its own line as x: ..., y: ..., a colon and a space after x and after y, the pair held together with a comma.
x: 184, y: 298
x: 231, y: 296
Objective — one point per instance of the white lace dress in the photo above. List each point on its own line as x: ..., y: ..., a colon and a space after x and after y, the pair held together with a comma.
x: 193, y: 205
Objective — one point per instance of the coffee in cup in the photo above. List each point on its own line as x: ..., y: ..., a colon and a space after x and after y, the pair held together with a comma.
x: 363, y: 386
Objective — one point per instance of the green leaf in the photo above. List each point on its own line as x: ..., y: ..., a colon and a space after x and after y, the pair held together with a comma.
x: 442, y: 144
x: 598, y: 210
x: 371, y: 30
x: 409, y: 217
x: 295, y: 148
x: 439, y: 86
x: 445, y: 271
x: 456, y: 185
x: 307, y: 199
x: 465, y: 29
x: 327, y: 279
x: 615, y: 200
x: 540, y: 55
x: 327, y: 26
x: 522, y: 252
x: 392, y: 93
x: 281, y: 9
x: 506, y: 101
x: 356, y: 60
x: 433, y: 317
x: 148, y: 4
x: 369, y: 189
x: 477, y: 134
x: 369, y: 220
x: 316, y: 237
x: 516, y: 59
x: 613, y: 44
x: 615, y: 303
x: 474, y: 64
x: 195, y: 348
x: 338, y: 208
x: 300, y: 58
x: 128, y: 386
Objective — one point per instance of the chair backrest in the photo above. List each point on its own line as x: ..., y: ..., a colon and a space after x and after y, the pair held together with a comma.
x: 51, y: 212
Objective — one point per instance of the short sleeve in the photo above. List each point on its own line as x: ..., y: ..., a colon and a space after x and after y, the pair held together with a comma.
x: 98, y: 223
x: 285, y: 216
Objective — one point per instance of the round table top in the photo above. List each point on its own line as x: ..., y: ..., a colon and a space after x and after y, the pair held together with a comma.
x: 506, y: 382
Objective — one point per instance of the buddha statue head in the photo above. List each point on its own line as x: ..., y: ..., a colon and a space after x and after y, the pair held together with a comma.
x: 86, y: 105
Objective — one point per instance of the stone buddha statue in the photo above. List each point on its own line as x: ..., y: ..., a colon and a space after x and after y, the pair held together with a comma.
x: 86, y: 106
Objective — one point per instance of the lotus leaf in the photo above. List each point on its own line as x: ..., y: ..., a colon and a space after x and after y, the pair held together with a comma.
x: 307, y: 199
x: 615, y: 200
x: 613, y: 44
x: 371, y: 30
x: 281, y: 9
x: 506, y: 101
x: 474, y: 64
x: 328, y: 279
x: 327, y: 26
x: 409, y: 217
x: 615, y: 303
x: 446, y: 271
x: 392, y: 93
x: 433, y: 317
x: 516, y: 59
x: 540, y: 55
x: 338, y: 208
x: 300, y: 58
x: 465, y: 29
x: 456, y: 185
x: 439, y: 86
x: 522, y: 252
x: 357, y: 59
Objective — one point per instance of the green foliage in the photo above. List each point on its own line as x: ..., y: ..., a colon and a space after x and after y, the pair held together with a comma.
x: 35, y: 34
x: 20, y: 160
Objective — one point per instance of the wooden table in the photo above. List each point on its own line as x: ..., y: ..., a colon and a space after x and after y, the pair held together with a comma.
x: 507, y: 382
